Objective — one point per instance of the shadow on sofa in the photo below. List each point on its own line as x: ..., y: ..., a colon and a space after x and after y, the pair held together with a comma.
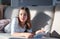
x: 54, y: 34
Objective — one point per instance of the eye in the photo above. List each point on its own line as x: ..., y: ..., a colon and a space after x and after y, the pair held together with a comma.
x: 20, y: 14
x: 25, y: 14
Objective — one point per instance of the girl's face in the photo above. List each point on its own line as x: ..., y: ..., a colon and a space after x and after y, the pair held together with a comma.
x: 23, y: 16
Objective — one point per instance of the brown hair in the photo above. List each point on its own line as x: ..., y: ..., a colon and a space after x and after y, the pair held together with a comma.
x: 28, y: 22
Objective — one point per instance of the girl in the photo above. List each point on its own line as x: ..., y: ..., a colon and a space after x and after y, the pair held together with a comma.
x: 21, y: 25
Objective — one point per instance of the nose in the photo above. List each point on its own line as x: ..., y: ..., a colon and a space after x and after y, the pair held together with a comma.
x: 23, y: 16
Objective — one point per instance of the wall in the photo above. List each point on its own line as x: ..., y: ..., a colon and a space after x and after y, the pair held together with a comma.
x: 31, y: 2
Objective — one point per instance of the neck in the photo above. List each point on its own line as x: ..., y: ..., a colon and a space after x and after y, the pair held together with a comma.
x: 22, y: 25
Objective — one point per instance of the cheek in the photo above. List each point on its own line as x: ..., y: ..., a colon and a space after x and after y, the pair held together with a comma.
x: 20, y: 17
x: 25, y: 17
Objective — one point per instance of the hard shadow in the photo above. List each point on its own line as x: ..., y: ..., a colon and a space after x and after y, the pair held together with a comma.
x: 54, y: 34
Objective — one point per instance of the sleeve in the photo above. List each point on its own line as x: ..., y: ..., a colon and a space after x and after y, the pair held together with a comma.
x: 14, y: 24
x: 7, y: 28
x: 30, y: 30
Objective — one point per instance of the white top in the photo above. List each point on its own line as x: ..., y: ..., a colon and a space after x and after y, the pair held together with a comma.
x: 14, y: 27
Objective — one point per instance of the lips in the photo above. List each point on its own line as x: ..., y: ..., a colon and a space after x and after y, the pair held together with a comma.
x: 23, y: 19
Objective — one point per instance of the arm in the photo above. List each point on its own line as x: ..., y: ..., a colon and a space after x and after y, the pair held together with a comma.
x: 40, y: 31
x: 14, y: 23
x: 26, y: 35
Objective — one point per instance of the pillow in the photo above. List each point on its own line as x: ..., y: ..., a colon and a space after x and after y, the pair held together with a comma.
x: 3, y: 23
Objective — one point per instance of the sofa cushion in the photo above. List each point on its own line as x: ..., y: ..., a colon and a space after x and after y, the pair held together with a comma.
x: 9, y: 11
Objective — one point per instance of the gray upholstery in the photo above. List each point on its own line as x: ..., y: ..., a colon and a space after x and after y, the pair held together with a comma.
x: 9, y: 11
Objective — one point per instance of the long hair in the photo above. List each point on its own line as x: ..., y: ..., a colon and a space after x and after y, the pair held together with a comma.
x: 28, y: 22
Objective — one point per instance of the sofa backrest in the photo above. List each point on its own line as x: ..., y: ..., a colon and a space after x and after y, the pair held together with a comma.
x: 9, y: 11
x: 41, y: 16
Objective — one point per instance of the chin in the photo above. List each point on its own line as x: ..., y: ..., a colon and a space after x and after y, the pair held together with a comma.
x: 22, y: 21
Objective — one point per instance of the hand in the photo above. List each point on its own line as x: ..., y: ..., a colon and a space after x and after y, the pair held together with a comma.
x: 29, y: 35
x: 40, y: 31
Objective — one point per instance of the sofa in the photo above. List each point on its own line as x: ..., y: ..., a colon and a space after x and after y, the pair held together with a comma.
x: 41, y: 17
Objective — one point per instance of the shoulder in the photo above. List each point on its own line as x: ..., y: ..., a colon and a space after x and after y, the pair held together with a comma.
x: 14, y: 24
x: 15, y: 19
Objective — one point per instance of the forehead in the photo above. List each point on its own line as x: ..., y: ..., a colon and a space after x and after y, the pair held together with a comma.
x: 22, y: 11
